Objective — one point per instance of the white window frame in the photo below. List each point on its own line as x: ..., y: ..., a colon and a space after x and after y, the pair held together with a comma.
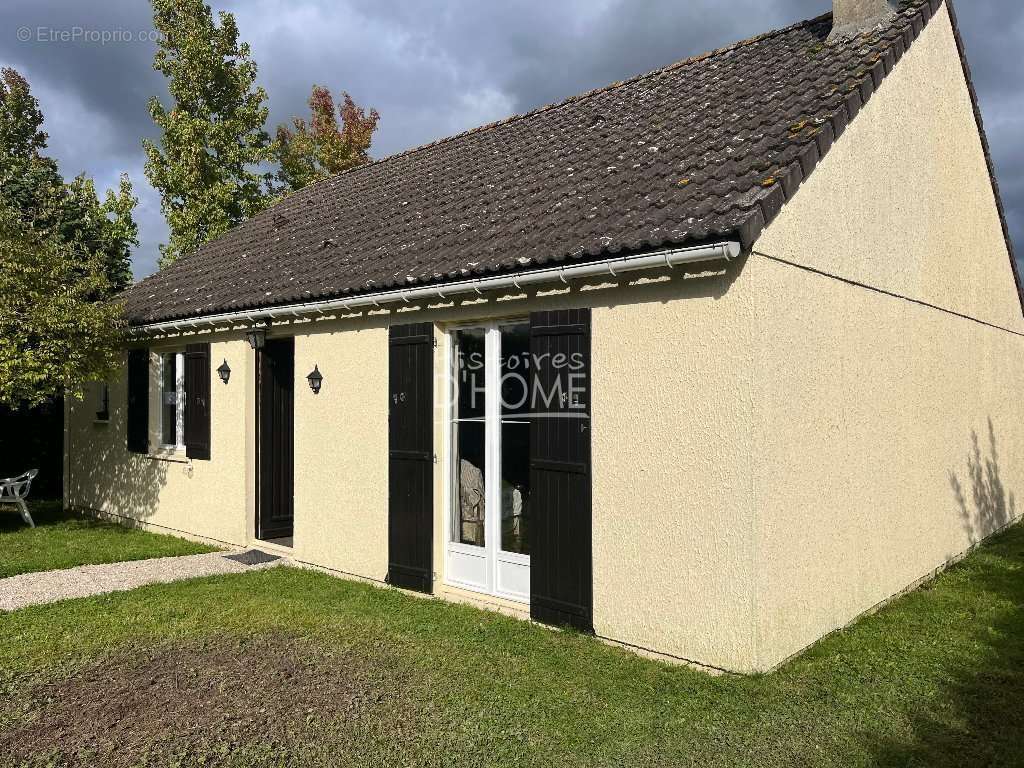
x: 179, y: 409
x: 494, y: 558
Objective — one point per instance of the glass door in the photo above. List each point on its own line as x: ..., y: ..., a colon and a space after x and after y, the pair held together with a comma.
x: 488, y: 542
x: 512, y: 460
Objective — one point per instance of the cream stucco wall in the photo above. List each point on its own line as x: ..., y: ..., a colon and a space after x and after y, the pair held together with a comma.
x: 656, y: 543
x: 868, y: 404
x: 673, y: 525
x: 201, y: 498
x: 341, y: 448
x: 672, y: 458
x: 868, y: 411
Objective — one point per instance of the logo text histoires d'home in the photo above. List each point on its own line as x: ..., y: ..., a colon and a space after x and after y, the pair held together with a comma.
x: 561, y: 394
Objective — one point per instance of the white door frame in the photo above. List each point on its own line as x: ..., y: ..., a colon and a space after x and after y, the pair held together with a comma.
x: 487, y: 569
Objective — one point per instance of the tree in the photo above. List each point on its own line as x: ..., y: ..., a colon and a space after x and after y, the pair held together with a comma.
x: 105, y: 229
x: 213, y: 135
x: 54, y: 334
x: 29, y: 181
x: 21, y: 120
x: 33, y: 189
x: 323, y: 148
x: 63, y: 256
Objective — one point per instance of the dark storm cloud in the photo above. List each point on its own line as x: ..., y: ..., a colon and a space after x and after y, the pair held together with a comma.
x: 993, y: 34
x: 432, y: 69
x: 93, y: 93
x: 112, y: 81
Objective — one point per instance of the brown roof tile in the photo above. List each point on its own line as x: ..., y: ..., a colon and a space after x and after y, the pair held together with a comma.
x: 708, y: 148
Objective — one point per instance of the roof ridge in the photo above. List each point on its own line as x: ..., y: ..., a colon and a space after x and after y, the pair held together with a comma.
x: 574, y: 98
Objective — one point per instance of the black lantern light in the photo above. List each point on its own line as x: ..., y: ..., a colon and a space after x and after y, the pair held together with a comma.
x: 315, y: 379
x: 224, y: 371
x: 256, y: 337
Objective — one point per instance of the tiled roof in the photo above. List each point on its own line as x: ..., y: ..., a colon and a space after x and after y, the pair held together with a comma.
x: 705, y: 149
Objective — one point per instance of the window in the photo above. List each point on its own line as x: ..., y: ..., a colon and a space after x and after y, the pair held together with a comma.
x: 102, y: 402
x: 470, y: 436
x: 515, y: 438
x: 172, y: 400
x: 489, y: 487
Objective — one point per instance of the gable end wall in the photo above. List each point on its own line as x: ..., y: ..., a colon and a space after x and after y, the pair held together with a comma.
x: 889, y: 360
x: 904, y: 200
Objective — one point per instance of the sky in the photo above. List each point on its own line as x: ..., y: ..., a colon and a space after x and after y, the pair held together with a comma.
x: 431, y: 67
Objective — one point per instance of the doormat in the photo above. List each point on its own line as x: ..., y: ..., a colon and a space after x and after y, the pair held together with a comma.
x: 252, y: 557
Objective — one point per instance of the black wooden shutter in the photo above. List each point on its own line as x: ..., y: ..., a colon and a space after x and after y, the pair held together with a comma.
x: 138, y: 400
x: 411, y: 456
x: 197, y: 401
x: 561, y: 550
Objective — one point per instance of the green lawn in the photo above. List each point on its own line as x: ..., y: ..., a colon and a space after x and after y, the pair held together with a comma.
x: 60, y: 540
x: 291, y: 667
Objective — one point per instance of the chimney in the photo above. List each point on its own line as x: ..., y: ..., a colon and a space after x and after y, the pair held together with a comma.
x: 852, y: 17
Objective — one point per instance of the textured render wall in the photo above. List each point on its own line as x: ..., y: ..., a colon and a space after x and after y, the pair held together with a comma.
x: 673, y: 519
x: 673, y: 523
x: 202, y: 498
x: 908, y: 180
x: 341, y: 448
x: 868, y: 405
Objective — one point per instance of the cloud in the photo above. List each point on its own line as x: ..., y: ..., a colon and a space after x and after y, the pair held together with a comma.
x: 431, y: 69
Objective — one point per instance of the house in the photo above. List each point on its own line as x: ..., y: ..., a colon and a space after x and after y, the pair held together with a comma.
x: 709, y: 362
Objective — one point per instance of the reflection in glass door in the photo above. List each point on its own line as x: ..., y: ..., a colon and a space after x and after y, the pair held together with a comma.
x: 488, y: 545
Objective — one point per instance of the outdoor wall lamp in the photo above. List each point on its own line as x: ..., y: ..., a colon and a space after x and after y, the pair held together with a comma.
x: 315, y: 379
x: 256, y: 337
x: 224, y: 371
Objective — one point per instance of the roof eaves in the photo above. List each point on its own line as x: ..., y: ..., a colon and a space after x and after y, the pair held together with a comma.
x: 713, y: 239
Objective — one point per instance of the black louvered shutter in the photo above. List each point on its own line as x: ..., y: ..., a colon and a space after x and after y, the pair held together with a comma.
x: 197, y: 401
x: 138, y: 400
x: 411, y: 456
x: 561, y: 550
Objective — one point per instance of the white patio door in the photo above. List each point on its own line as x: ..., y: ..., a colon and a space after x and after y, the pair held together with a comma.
x: 489, y: 486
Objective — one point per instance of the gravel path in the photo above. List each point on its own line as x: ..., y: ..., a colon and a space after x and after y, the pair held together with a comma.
x: 50, y: 586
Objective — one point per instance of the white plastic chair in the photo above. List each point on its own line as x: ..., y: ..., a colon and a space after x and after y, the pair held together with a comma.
x: 14, y: 490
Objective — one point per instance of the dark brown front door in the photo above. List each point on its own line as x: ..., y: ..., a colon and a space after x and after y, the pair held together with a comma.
x: 275, y: 387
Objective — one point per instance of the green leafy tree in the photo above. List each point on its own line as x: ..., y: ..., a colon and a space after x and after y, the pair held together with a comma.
x: 29, y: 181
x: 322, y: 148
x: 63, y: 255
x: 33, y: 189
x: 105, y: 229
x: 21, y: 120
x: 213, y: 136
x: 54, y: 333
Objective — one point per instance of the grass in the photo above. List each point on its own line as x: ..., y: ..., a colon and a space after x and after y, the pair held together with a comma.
x: 60, y: 540
x: 291, y: 667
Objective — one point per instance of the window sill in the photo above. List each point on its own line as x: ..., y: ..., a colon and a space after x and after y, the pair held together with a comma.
x: 172, y: 455
x: 102, y: 422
